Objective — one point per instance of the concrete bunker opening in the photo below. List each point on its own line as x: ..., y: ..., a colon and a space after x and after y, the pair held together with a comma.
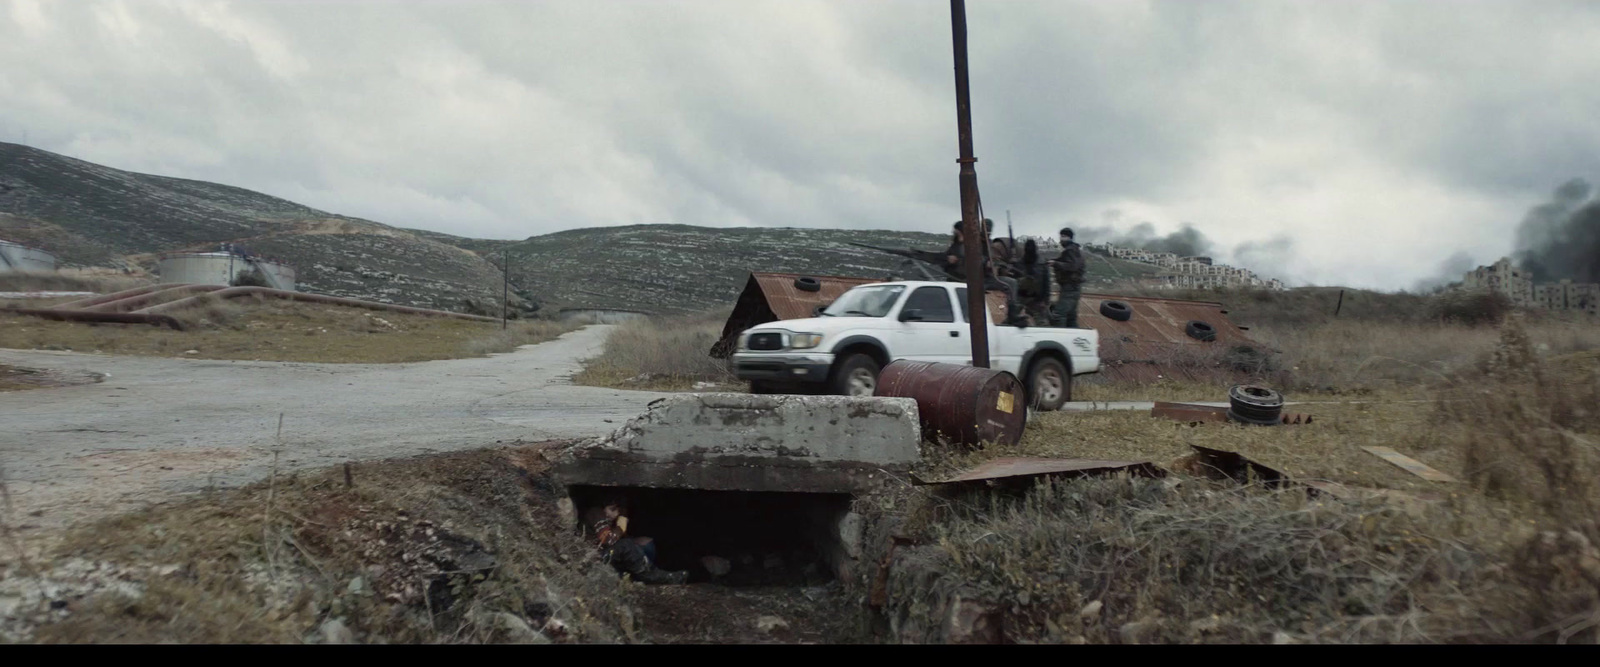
x: 733, y: 538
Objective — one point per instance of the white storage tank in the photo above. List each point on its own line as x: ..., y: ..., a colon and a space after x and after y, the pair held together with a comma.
x: 18, y: 258
x: 221, y: 268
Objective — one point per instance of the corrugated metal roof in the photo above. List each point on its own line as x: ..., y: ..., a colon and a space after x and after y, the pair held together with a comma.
x: 792, y: 303
x: 1153, y: 343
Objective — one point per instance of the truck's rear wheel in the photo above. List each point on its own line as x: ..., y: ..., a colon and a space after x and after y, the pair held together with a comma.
x: 856, y: 375
x: 1049, y: 384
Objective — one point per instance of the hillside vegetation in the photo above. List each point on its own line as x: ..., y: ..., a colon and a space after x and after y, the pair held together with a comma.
x: 90, y: 215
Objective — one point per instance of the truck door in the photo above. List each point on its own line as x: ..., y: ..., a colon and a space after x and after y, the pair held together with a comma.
x: 927, y: 330
x: 1004, y: 354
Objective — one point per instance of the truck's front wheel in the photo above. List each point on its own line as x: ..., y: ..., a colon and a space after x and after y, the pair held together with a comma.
x: 856, y: 375
x: 1049, y: 384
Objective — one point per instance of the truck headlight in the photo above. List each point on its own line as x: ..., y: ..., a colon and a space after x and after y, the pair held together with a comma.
x: 805, y: 341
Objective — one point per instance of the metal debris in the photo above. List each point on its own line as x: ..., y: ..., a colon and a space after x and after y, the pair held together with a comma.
x: 1409, y: 464
x: 1235, y: 466
x: 1194, y: 414
x: 1011, y: 469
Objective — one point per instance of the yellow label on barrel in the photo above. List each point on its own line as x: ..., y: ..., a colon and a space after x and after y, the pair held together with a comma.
x: 1005, y: 402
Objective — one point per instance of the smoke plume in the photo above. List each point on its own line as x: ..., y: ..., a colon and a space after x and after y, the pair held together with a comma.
x: 1561, y: 239
x: 1449, y: 271
x: 1274, y: 257
x: 1186, y: 242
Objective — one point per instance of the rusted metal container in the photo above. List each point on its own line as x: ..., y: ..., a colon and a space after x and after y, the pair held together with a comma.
x: 960, y: 404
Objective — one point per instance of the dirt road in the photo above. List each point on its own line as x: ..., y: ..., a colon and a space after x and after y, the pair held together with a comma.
x: 160, y: 426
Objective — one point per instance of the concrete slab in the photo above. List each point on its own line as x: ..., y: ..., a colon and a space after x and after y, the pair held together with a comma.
x: 743, y: 442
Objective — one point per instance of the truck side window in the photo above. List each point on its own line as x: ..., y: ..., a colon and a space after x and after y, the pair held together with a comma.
x: 933, y: 303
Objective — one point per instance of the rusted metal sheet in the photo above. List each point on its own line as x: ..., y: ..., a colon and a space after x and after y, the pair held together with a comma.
x: 1409, y: 464
x: 1210, y: 414
x: 965, y: 405
x: 1237, y: 467
x: 769, y: 297
x: 1016, y: 468
x: 1153, y: 343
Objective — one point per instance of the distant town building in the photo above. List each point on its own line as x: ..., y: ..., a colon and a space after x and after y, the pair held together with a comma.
x: 1518, y: 287
x: 1187, y: 272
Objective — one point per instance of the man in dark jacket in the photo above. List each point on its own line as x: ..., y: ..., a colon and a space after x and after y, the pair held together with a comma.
x: 1069, y: 269
x: 956, y: 267
x: 1034, y: 285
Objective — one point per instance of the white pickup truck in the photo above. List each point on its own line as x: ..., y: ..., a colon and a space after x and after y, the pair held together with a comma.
x: 866, y: 328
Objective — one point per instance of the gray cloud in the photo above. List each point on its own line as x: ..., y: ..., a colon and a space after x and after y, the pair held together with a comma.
x: 1369, y: 133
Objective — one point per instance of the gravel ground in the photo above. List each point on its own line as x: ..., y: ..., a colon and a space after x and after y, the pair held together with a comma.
x: 161, y: 426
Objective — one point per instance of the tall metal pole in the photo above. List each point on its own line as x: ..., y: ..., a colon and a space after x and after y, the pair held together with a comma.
x: 505, y: 286
x: 972, y: 230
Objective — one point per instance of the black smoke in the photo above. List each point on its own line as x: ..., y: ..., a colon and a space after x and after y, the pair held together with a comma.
x: 1186, y: 242
x: 1561, y: 238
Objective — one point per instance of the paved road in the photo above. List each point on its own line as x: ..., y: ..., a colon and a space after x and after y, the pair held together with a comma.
x: 158, y: 426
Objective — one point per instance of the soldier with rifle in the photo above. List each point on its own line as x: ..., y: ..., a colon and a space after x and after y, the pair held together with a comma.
x: 954, y: 266
x: 1069, y: 269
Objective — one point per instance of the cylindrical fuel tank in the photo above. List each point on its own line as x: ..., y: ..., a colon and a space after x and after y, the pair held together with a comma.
x: 960, y: 404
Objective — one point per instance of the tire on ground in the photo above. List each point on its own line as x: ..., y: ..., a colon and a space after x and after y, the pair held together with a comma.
x: 1200, y: 330
x: 1116, y: 310
x: 1043, y: 370
x: 853, y: 364
x: 1254, y: 404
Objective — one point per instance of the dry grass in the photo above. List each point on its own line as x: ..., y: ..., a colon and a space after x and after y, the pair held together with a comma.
x: 1507, y: 555
x: 273, y: 330
x: 1353, y: 359
x: 396, y: 558
x: 661, y: 354
x: 68, y: 282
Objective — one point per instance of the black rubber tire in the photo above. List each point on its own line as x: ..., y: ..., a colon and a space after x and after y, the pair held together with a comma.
x: 1254, y: 404
x: 1200, y: 330
x: 839, y: 383
x: 807, y: 284
x: 1040, y: 370
x: 1116, y: 310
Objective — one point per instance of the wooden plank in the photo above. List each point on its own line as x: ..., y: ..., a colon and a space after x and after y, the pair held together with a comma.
x: 1409, y: 464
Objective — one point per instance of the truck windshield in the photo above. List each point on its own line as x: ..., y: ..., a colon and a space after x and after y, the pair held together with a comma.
x: 866, y: 301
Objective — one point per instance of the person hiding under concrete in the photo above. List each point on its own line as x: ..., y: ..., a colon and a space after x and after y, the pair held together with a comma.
x: 634, y: 556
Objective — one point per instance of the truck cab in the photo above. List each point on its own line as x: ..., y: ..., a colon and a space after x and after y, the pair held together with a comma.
x: 842, y: 350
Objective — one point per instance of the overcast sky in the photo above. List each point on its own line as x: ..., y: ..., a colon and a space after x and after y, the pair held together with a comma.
x: 1358, y: 143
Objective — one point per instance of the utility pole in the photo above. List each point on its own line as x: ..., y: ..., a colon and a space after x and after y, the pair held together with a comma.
x: 505, y: 287
x: 972, y: 230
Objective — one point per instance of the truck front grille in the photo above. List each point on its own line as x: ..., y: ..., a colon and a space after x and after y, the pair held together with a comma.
x: 766, y: 341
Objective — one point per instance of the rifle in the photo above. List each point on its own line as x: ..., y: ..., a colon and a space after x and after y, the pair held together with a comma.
x: 924, y: 256
x: 1012, y: 235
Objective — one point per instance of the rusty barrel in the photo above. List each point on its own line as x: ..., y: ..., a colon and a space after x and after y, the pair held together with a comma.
x: 961, y: 404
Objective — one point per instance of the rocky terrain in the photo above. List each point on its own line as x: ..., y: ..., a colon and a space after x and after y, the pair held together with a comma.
x: 96, y: 216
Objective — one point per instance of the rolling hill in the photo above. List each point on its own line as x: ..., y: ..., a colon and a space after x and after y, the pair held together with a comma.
x: 91, y: 215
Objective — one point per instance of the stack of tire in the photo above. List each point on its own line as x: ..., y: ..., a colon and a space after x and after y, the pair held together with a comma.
x: 1253, y: 404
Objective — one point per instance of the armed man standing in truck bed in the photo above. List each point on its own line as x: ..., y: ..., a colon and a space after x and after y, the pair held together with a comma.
x: 955, y: 267
x: 1070, y: 269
